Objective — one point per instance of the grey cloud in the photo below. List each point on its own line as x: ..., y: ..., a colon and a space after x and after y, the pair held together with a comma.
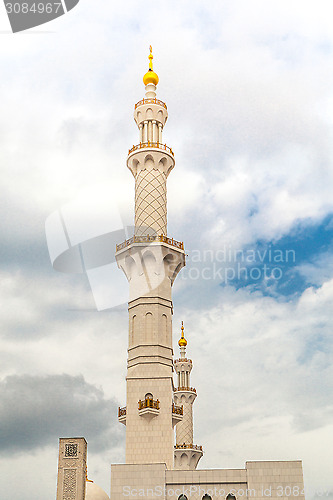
x: 36, y: 306
x: 313, y: 418
x: 31, y: 256
x: 36, y: 410
x: 23, y: 242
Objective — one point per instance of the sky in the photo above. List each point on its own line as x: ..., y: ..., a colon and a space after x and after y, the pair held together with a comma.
x: 249, y: 92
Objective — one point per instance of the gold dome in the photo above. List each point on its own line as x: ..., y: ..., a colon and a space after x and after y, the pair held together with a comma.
x: 182, y: 342
x: 150, y: 76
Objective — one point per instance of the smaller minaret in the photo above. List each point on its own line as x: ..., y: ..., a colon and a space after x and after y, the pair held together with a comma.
x: 187, y: 454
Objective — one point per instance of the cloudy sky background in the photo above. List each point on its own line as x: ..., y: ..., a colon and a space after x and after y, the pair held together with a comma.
x: 249, y: 92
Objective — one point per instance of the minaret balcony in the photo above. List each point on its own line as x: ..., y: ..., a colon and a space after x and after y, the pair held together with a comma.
x: 178, y: 410
x: 151, y: 145
x: 151, y: 101
x: 187, y: 389
x: 151, y: 110
x: 177, y: 414
x: 187, y: 456
x: 150, y: 264
x: 150, y: 239
x: 149, y: 408
x: 189, y: 393
x: 122, y: 415
x: 190, y: 446
x: 149, y: 403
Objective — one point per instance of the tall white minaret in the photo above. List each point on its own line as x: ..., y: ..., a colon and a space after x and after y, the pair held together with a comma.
x: 187, y: 454
x: 151, y: 261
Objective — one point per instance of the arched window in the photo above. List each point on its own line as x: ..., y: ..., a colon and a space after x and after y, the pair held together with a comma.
x: 164, y: 328
x: 182, y: 497
x: 230, y: 496
x: 149, y: 395
x: 133, y: 329
x: 206, y: 497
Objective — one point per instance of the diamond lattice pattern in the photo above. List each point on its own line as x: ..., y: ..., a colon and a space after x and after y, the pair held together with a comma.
x: 150, y: 202
x: 184, y: 429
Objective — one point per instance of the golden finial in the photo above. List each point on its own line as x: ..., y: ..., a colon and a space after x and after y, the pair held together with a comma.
x: 150, y: 76
x: 182, y: 341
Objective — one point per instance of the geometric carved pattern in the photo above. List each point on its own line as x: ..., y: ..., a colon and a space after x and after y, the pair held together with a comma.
x: 184, y: 429
x: 69, y: 487
x: 71, y: 450
x: 150, y: 202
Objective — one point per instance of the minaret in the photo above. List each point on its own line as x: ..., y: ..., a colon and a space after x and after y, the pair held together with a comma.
x: 187, y: 454
x: 151, y: 261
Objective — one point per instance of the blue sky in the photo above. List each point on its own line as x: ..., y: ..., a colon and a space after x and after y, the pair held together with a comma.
x: 288, y: 261
x: 249, y: 92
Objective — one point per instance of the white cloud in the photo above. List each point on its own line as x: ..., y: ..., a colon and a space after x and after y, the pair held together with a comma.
x: 318, y: 272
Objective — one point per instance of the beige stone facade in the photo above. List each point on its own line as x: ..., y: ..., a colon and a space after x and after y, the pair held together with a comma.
x: 72, y: 468
x: 261, y: 480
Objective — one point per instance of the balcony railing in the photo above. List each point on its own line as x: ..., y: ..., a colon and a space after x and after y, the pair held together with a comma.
x: 148, y: 239
x: 151, y: 101
x: 182, y: 360
x: 177, y: 410
x: 121, y: 411
x: 186, y: 389
x: 188, y: 446
x: 150, y: 144
x: 149, y: 403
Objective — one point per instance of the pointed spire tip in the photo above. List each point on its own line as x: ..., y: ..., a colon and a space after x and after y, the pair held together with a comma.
x: 182, y: 341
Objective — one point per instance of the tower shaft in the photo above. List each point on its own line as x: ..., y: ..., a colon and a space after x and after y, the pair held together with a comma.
x: 151, y: 262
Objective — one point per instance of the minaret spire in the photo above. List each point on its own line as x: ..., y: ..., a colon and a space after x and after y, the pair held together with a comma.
x: 150, y: 161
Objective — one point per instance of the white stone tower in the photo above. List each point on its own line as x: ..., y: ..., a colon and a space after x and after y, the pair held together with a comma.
x: 151, y: 261
x: 187, y: 454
